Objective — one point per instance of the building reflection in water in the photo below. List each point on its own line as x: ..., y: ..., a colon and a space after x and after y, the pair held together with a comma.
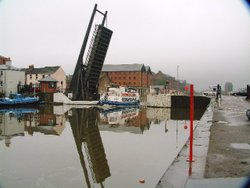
x: 45, y: 122
x: 84, y: 124
x: 132, y: 120
x: 157, y: 115
x: 15, y: 122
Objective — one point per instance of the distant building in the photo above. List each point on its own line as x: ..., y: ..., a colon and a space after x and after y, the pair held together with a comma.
x: 33, y: 75
x: 228, y: 87
x: 104, y: 81
x: 157, y: 89
x: 149, y: 75
x: 131, y: 75
x: 68, y: 80
x: 10, y: 77
x: 170, y: 83
x: 5, y: 60
x: 10, y: 127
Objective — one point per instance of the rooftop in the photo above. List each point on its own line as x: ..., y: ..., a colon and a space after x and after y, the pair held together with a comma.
x: 9, y: 67
x: 48, y: 79
x: 123, y: 67
x: 5, y: 58
x: 43, y: 70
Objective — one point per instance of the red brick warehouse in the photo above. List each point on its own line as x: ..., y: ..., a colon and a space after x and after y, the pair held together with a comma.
x: 131, y: 75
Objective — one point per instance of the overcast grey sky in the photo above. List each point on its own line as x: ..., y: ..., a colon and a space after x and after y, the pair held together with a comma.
x: 208, y: 39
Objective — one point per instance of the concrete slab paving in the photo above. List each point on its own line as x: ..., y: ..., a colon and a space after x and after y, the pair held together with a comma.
x: 180, y: 171
x: 218, y: 183
x: 203, y: 172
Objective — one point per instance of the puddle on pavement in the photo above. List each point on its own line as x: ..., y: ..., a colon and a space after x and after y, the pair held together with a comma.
x: 240, y: 145
x: 222, y: 122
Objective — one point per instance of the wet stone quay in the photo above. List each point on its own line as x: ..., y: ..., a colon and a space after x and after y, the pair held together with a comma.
x: 90, y: 147
x: 221, y: 149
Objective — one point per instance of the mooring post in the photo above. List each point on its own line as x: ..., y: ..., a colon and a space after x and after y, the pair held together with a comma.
x: 191, y: 121
x: 191, y: 130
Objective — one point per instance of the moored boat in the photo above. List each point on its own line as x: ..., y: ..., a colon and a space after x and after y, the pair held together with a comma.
x: 18, y: 99
x: 120, y: 96
x: 119, y: 116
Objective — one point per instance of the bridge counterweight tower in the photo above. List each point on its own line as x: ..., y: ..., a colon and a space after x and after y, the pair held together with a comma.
x: 84, y: 83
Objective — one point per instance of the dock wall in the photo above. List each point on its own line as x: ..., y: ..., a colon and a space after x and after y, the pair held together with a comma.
x: 182, y: 101
x: 60, y: 98
x: 176, y: 101
x: 161, y: 100
x: 160, y: 114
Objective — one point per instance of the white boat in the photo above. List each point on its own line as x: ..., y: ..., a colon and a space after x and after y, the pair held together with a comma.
x: 120, y: 96
x: 119, y: 116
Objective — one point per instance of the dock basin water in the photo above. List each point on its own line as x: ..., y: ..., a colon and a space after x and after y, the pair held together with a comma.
x: 89, y: 147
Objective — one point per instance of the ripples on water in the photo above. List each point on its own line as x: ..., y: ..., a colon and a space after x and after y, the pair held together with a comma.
x: 89, y: 147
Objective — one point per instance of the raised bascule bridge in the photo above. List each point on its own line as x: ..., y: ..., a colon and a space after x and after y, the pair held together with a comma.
x: 84, y: 83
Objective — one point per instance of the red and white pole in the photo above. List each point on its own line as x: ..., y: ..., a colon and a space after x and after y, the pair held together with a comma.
x: 191, y: 122
x: 191, y: 128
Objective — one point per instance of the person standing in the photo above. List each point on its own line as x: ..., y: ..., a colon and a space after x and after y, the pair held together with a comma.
x: 218, y: 92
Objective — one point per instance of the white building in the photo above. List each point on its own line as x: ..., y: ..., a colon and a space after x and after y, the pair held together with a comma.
x: 10, y: 77
x: 33, y: 75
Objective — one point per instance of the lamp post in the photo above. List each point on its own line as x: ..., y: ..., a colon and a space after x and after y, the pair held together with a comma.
x: 177, y: 72
x: 178, y: 84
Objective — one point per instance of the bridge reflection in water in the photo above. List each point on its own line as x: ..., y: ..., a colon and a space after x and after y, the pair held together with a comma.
x: 84, y: 124
x: 115, y: 147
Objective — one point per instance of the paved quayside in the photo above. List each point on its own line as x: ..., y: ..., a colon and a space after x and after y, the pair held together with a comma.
x: 221, y: 155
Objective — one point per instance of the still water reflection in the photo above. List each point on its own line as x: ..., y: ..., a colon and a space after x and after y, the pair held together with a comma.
x: 54, y: 147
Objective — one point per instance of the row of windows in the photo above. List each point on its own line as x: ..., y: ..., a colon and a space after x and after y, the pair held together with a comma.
x: 123, y: 72
x: 52, y: 82
x: 124, y: 83
x: 119, y: 73
x: 123, y: 77
x: 37, y: 76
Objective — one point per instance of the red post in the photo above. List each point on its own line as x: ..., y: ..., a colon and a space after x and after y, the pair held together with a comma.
x: 191, y: 122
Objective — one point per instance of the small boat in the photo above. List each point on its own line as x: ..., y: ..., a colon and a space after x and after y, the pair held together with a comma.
x: 120, y: 96
x: 17, y: 99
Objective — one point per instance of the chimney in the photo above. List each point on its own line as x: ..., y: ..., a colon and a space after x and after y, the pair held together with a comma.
x: 5, y: 60
x: 31, y: 67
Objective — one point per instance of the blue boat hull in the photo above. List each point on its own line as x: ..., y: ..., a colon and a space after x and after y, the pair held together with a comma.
x: 18, y: 100
x: 19, y: 110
